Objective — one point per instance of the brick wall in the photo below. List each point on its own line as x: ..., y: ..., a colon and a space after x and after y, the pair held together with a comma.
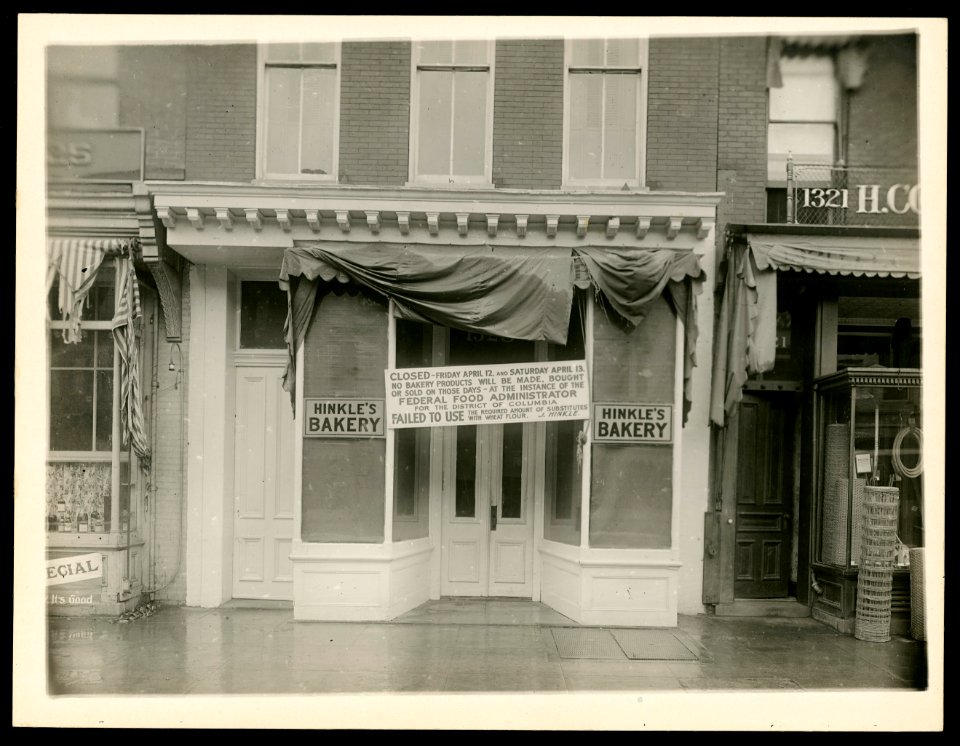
x: 682, y: 104
x: 153, y: 95
x: 374, y: 113
x: 168, y: 539
x: 883, y: 111
x: 528, y: 114
x: 742, y: 131
x: 221, y: 112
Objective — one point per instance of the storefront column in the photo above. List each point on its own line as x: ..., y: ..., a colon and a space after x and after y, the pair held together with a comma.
x: 210, y: 439
x: 693, y: 491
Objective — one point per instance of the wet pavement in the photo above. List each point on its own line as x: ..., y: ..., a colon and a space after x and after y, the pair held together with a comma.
x: 452, y: 645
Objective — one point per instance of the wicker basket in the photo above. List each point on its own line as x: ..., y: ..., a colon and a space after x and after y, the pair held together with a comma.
x: 877, y: 555
x: 836, y: 467
x: 918, y: 622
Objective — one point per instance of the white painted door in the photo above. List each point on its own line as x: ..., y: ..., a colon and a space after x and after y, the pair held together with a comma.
x: 263, y: 485
x: 487, y: 513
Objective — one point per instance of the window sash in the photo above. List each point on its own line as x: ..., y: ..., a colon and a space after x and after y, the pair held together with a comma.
x: 296, y: 139
x: 599, y: 150
x: 452, y: 143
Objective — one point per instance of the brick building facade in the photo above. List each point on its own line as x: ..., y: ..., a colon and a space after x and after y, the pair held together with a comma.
x: 378, y: 155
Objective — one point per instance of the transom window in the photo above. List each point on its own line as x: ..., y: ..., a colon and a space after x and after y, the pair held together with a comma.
x: 451, y: 133
x: 803, y: 115
x: 605, y: 112
x: 300, y: 112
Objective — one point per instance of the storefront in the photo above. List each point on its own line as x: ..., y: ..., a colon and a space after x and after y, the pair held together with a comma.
x: 102, y: 311
x: 817, y: 325
x: 477, y: 394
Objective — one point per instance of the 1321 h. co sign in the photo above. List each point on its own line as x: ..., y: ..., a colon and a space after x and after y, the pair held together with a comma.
x: 866, y: 199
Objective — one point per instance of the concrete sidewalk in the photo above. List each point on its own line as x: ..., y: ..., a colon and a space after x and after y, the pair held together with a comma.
x: 462, y: 646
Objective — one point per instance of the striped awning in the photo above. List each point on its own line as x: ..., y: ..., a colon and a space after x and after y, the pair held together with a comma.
x: 77, y: 262
x: 855, y: 256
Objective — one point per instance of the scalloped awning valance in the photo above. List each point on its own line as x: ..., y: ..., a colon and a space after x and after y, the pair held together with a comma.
x: 505, y: 291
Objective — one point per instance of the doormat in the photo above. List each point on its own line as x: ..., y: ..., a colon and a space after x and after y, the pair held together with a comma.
x: 591, y: 644
x: 652, y: 645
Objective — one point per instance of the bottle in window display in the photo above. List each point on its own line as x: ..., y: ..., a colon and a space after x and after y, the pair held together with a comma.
x: 96, y: 522
x: 63, y: 524
x: 83, y: 523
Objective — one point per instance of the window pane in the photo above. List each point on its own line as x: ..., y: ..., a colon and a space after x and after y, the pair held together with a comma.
x: 470, y: 122
x: 263, y: 312
x: 808, y: 143
x: 318, y: 104
x: 405, y: 472
x: 809, y: 91
x: 63, y: 355
x: 465, y: 503
x: 471, y: 52
x: 511, y: 468
x: 567, y: 485
x: 104, y: 349
x: 71, y: 410
x: 586, y: 52
x: 620, y: 121
x: 433, y: 144
x: 283, y: 121
x: 631, y: 498
x: 623, y: 52
x: 435, y: 52
x: 103, y: 297
x: 586, y: 112
x: 104, y: 413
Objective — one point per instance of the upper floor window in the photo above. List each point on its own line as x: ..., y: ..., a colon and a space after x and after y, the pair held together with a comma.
x: 605, y: 112
x: 300, y: 112
x: 452, y: 111
x: 803, y: 115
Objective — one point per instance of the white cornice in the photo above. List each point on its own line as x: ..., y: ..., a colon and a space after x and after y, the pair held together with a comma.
x: 200, y: 217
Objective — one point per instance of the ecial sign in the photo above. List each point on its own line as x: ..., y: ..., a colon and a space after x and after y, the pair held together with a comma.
x: 869, y: 199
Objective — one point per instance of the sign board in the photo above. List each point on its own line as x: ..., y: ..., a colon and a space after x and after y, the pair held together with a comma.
x: 479, y: 395
x: 343, y: 418
x: 105, y: 155
x: 74, y: 569
x: 632, y: 423
x: 864, y: 199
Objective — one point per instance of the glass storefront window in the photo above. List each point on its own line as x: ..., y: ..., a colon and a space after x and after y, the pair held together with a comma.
x: 411, y: 455
x: 870, y: 434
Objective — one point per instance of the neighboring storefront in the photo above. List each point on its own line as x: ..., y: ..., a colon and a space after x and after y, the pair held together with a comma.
x: 552, y: 340
x: 102, y: 310
x: 818, y: 324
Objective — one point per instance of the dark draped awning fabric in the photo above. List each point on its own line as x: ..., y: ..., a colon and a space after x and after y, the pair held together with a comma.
x: 745, y: 342
x: 505, y: 291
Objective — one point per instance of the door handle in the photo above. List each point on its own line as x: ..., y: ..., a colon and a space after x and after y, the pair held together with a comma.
x: 493, y: 517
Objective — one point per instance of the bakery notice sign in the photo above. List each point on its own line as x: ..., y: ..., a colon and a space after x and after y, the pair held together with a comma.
x: 343, y: 418
x: 632, y: 423
x: 478, y: 395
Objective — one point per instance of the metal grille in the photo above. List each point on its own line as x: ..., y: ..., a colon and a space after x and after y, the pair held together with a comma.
x: 591, y: 644
x: 652, y: 645
x: 850, y: 195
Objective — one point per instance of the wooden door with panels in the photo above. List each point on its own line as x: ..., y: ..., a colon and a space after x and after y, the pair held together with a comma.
x: 764, y: 498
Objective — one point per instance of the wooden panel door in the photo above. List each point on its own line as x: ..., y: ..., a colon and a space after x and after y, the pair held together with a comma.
x: 764, y: 502
x: 263, y: 485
